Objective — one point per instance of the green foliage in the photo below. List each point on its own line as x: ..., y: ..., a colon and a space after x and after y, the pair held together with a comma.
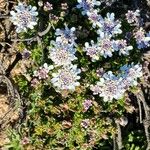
x: 15, y: 141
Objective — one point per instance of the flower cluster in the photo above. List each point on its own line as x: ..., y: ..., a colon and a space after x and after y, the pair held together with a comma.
x: 24, y: 17
x: 105, y: 47
x: 62, y: 53
x: 112, y: 87
x: 108, y: 28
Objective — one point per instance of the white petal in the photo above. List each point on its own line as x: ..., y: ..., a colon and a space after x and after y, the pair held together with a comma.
x: 34, y: 8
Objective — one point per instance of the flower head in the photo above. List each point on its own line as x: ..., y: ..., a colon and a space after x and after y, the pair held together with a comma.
x: 66, y: 36
x: 64, y: 6
x: 133, y: 17
x: 109, y: 85
x: 94, y: 17
x: 48, y: 6
x: 130, y: 73
x: 24, y: 17
x: 26, y: 54
x: 92, y: 50
x: 62, y: 54
x: 25, y: 141
x: 121, y: 46
x: 66, y: 78
x: 42, y: 72
x: 142, y: 40
x: 105, y: 46
x: 87, y: 5
x: 109, y: 25
x: 87, y: 104
x: 85, y: 123
x: 34, y: 82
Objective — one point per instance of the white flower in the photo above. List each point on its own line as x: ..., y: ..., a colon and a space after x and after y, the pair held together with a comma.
x: 108, y: 87
x: 62, y: 54
x: 121, y: 46
x: 92, y: 51
x: 105, y: 46
x: 87, y: 5
x: 134, y: 71
x: 109, y: 25
x: 94, y: 17
x: 66, y: 36
x: 96, y: 89
x: 66, y: 78
x: 24, y: 17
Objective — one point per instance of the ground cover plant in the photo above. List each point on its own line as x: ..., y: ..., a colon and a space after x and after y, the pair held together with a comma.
x: 74, y: 75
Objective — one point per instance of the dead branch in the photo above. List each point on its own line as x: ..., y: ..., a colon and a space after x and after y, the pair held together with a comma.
x: 146, y: 124
x: 140, y: 109
x: 119, y: 137
x: 45, y: 31
x: 114, y: 142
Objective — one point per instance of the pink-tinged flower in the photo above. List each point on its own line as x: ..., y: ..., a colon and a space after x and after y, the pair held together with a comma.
x: 34, y: 82
x: 139, y: 34
x: 85, y: 123
x: 48, y: 6
x: 25, y: 141
x: 133, y: 17
x: 96, y: 89
x: 94, y: 17
x: 64, y: 6
x: 87, y: 104
x: 26, y: 54
x: 42, y: 72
